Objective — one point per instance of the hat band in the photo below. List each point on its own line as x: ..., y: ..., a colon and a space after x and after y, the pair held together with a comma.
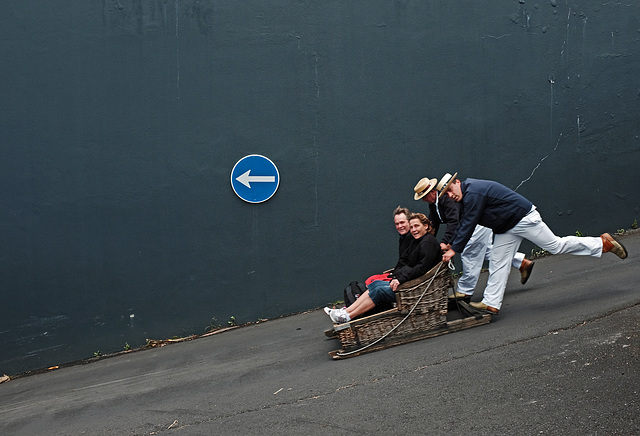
x: 424, y: 190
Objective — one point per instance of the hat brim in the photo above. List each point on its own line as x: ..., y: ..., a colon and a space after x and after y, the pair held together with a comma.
x: 445, y: 187
x: 432, y: 185
x: 419, y: 196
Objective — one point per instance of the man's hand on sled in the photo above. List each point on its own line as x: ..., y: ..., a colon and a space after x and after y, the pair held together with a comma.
x: 448, y: 255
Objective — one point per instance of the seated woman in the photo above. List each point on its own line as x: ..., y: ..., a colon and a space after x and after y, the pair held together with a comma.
x: 423, y: 255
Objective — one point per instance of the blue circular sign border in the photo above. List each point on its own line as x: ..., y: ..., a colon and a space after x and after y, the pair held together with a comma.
x: 274, y: 167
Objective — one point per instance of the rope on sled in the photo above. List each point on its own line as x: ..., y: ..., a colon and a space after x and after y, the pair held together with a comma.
x: 451, y: 267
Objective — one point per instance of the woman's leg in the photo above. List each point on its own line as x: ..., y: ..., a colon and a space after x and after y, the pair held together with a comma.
x: 365, y: 302
x: 362, y: 305
x: 359, y: 301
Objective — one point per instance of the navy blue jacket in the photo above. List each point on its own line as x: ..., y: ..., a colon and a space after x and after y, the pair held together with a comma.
x: 489, y: 204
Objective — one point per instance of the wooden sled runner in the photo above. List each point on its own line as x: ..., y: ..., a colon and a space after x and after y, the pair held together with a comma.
x: 421, y: 312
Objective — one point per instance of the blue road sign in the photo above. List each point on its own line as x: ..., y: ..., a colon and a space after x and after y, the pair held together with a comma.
x: 255, y: 178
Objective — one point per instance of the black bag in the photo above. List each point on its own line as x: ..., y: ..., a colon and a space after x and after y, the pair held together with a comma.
x: 352, y: 292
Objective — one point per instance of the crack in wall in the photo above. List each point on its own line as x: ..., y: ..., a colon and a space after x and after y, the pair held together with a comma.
x: 539, y: 163
x: 563, y: 57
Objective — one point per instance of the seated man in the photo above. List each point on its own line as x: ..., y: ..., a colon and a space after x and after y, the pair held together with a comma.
x: 415, y: 262
x: 401, y: 222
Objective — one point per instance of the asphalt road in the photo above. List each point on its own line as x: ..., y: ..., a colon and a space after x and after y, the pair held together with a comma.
x: 562, y: 358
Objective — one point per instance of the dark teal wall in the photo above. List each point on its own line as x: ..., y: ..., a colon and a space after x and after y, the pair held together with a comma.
x: 120, y: 122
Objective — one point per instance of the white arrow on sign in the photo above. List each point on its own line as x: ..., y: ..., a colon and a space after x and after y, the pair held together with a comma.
x: 246, y: 179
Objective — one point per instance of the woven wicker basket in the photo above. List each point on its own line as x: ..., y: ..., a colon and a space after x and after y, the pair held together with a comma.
x: 430, y: 311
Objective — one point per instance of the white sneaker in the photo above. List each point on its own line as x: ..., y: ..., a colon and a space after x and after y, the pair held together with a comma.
x: 339, y: 316
x: 328, y: 311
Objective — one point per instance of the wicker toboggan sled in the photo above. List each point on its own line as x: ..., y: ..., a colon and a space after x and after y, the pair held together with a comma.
x: 421, y: 312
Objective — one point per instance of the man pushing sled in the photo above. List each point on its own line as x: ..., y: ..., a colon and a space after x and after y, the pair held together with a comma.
x: 512, y: 219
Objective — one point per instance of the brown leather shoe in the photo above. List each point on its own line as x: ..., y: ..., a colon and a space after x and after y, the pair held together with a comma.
x: 481, y: 306
x: 525, y: 270
x: 458, y: 296
x: 611, y: 244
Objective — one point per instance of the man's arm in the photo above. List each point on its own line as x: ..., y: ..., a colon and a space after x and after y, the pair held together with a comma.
x: 473, y: 207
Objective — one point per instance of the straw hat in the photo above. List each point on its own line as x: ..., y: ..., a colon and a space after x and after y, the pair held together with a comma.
x: 423, y: 187
x: 445, y: 182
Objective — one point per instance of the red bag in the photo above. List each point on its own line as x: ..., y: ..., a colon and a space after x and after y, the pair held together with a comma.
x: 384, y: 277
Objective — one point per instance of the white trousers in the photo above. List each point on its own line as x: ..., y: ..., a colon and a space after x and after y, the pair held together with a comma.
x: 473, y: 256
x: 532, y: 228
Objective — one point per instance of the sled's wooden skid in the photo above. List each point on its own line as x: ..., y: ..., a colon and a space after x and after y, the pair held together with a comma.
x: 449, y: 327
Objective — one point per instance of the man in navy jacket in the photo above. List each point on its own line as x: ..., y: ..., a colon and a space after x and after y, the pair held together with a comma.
x: 512, y: 219
x: 443, y: 209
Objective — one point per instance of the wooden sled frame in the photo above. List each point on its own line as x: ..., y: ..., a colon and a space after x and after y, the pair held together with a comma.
x: 420, y: 313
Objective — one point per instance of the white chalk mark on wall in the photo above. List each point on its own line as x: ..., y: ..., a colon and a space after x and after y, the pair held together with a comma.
x: 315, y: 145
x: 564, y: 54
x: 565, y: 43
x: 177, y: 51
x: 613, y: 45
x: 551, y: 83
x: 316, y: 76
x: 579, y: 139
